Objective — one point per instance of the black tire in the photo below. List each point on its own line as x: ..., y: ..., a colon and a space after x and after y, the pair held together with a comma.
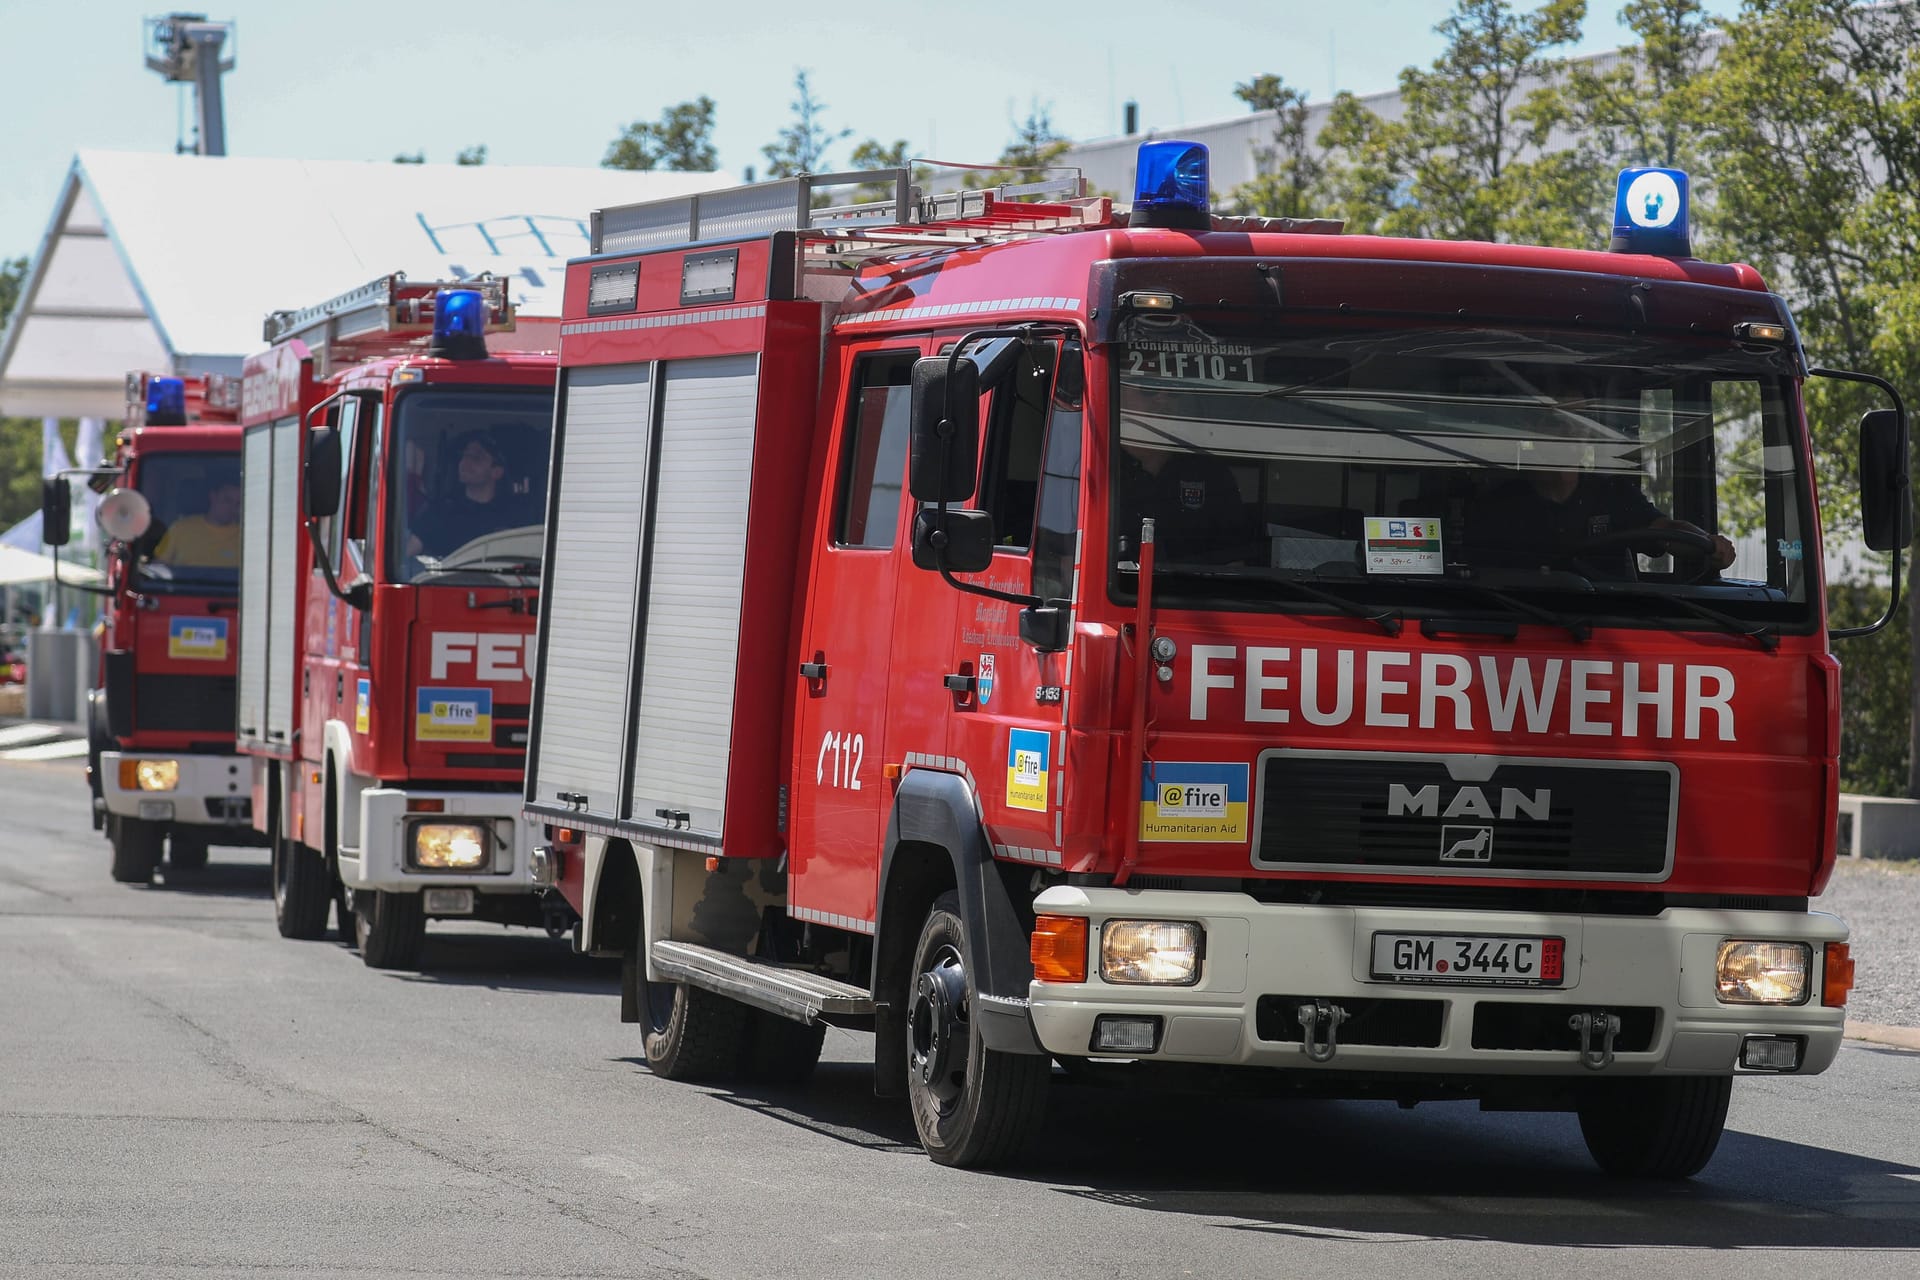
x: 300, y: 887
x: 389, y: 928
x: 136, y: 848
x: 974, y: 1107
x: 97, y: 742
x: 777, y: 1050
x: 187, y: 850
x: 1660, y: 1127
x: 688, y: 1033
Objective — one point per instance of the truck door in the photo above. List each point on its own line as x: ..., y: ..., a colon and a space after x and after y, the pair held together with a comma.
x: 840, y: 798
x: 1009, y: 732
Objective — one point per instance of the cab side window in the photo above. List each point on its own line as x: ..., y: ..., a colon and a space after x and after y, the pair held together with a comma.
x: 1057, y: 529
x: 873, y: 451
x: 1016, y: 430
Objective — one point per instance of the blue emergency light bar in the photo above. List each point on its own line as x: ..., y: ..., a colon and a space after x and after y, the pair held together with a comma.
x: 166, y: 402
x: 459, y: 324
x: 1650, y: 213
x: 1170, y: 186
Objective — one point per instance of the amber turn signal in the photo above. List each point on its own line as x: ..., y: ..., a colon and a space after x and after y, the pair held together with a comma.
x: 1059, y: 949
x: 1836, y: 975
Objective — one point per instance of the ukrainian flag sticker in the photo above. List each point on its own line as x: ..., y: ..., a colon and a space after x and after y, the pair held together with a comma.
x: 362, y: 706
x: 1027, y: 769
x: 1194, y: 803
x: 453, y: 715
x: 197, y: 639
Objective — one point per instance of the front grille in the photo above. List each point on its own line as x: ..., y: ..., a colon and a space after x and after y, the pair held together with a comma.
x: 201, y: 704
x: 1504, y: 816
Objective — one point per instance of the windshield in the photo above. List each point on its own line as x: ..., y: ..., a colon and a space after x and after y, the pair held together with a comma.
x: 1403, y: 465
x: 468, y: 488
x: 193, y: 544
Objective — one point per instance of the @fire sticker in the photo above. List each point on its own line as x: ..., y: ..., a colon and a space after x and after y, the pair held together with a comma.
x: 454, y: 715
x: 1193, y: 802
x: 197, y: 639
x: 1028, y: 753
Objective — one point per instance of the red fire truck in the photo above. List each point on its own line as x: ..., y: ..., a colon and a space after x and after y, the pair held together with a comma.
x: 395, y: 477
x: 160, y: 757
x: 1163, y: 644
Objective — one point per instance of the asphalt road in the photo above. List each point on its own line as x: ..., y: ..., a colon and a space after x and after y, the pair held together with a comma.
x: 183, y: 1093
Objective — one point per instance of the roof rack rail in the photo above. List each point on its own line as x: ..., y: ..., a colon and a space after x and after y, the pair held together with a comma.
x: 387, y: 315
x: 800, y: 204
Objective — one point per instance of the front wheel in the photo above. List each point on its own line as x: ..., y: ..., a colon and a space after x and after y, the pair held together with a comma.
x: 974, y: 1107
x: 389, y: 928
x: 136, y: 848
x: 300, y: 895
x: 1659, y: 1127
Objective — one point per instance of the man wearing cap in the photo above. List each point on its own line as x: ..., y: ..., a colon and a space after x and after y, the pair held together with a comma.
x: 481, y: 505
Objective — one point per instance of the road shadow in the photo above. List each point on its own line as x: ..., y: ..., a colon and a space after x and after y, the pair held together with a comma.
x: 222, y: 877
x: 1371, y: 1171
x: 513, y: 959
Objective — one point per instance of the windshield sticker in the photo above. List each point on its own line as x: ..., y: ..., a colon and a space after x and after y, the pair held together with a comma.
x: 1027, y: 754
x: 1190, y: 361
x: 454, y: 715
x: 1194, y: 803
x: 1409, y: 545
x: 362, y: 705
x: 197, y: 639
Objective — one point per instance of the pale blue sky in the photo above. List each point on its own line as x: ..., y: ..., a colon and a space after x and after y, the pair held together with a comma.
x: 553, y: 82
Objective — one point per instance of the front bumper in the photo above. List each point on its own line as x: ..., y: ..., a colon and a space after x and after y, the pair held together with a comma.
x: 1655, y: 972
x: 386, y: 827
x: 213, y: 791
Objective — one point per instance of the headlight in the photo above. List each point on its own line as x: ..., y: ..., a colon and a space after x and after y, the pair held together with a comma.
x: 1150, y: 952
x: 446, y: 846
x: 1762, y: 972
x: 155, y: 775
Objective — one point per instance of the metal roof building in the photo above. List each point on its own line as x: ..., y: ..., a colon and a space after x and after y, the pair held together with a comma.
x: 170, y: 262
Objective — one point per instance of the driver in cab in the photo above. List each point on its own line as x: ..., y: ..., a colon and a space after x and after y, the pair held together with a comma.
x: 482, y: 503
x: 1557, y: 513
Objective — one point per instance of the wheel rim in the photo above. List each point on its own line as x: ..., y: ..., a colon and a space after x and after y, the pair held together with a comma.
x: 657, y: 998
x: 279, y: 859
x: 938, y: 1028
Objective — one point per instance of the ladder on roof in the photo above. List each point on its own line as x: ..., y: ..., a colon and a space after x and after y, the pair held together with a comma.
x: 386, y: 316
x: 906, y: 216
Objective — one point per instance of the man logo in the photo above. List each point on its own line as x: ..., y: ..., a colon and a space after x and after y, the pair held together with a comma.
x: 1466, y: 844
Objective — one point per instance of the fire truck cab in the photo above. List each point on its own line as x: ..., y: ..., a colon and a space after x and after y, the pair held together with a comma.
x: 395, y: 486
x: 1173, y: 644
x: 160, y: 759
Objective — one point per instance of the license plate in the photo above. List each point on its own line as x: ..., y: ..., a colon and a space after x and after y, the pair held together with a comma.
x: 1469, y: 959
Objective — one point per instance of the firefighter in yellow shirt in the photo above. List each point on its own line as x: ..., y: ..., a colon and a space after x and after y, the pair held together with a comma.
x: 211, y: 541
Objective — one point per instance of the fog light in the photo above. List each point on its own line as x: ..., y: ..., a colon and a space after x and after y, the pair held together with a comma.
x: 448, y: 902
x: 445, y: 846
x: 156, y: 810
x: 1115, y: 1034
x: 1770, y: 1053
x: 149, y: 775
x: 1762, y: 972
x: 1150, y: 952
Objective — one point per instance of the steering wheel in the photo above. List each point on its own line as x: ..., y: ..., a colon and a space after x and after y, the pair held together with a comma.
x: 1697, y: 545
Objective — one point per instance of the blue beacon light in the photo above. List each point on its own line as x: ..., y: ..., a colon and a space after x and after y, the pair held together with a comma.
x: 1650, y: 213
x: 166, y: 402
x: 459, y: 324
x: 1170, y: 186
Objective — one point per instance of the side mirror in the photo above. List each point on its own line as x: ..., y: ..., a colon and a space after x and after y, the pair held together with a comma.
x: 960, y: 541
x: 1886, y: 501
x: 323, y: 473
x: 56, y: 512
x: 946, y: 450
x: 1044, y: 626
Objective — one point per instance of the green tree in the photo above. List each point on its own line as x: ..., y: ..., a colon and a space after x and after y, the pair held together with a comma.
x: 418, y: 157
x: 802, y: 146
x: 1450, y: 166
x: 1642, y: 107
x: 1030, y: 155
x: 681, y: 140
x: 875, y: 154
x: 1288, y: 173
x: 13, y: 281
x: 476, y: 154
x: 1813, y: 133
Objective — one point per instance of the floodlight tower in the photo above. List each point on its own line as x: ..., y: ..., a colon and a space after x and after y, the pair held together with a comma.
x: 186, y: 47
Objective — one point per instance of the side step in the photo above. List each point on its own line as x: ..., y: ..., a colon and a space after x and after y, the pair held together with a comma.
x: 791, y: 993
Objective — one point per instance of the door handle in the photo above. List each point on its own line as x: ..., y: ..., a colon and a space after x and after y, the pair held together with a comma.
x: 814, y: 670
x: 961, y: 684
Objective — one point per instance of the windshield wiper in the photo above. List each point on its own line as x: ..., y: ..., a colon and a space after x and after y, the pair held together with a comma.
x: 1579, y: 628
x: 1388, y: 620
x: 1764, y: 634
x: 503, y: 567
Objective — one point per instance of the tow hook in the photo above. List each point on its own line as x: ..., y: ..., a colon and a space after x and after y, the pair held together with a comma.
x: 1321, y: 1022
x: 1597, y: 1025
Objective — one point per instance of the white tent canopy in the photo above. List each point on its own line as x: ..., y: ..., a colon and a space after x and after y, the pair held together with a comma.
x: 167, y: 262
x: 17, y: 566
